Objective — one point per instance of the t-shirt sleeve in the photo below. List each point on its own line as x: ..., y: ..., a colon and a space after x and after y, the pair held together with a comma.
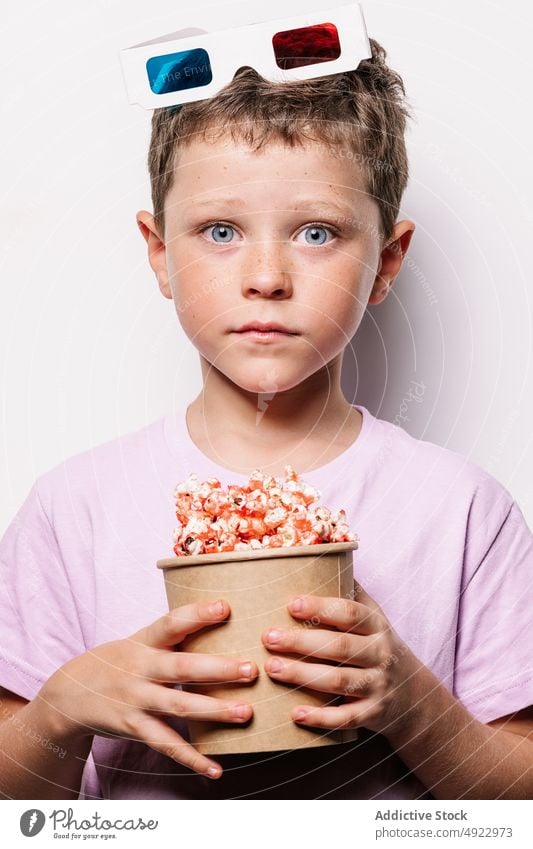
x: 39, y: 625
x: 494, y: 661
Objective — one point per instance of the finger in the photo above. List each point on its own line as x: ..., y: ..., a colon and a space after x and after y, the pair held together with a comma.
x: 174, y: 626
x: 331, y: 645
x: 161, y: 737
x: 190, y: 667
x: 339, y: 680
x: 195, y: 706
x: 342, y: 613
x: 342, y: 716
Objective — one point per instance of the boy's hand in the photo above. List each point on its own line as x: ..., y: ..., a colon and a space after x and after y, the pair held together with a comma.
x: 365, y: 662
x: 122, y: 688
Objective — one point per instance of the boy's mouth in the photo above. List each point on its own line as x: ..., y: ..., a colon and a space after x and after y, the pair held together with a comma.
x: 258, y: 331
x: 266, y: 329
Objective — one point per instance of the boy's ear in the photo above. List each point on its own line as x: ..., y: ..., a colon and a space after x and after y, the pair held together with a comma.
x: 391, y: 260
x: 156, y: 250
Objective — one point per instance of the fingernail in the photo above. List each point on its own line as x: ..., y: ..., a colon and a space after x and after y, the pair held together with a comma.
x: 300, y: 714
x: 296, y: 605
x: 245, y: 670
x: 274, y: 636
x: 214, y: 772
x: 241, y: 711
x: 216, y: 609
x: 275, y: 665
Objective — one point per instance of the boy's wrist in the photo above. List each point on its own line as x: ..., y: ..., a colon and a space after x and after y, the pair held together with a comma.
x: 53, y: 718
x: 422, y: 688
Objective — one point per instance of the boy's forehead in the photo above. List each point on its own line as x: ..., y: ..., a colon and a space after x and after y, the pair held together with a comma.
x: 211, y: 170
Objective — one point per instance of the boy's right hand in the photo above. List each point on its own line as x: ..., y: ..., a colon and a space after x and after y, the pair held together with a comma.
x: 121, y: 688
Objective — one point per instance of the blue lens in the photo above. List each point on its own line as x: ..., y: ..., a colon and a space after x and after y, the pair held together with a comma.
x: 179, y: 71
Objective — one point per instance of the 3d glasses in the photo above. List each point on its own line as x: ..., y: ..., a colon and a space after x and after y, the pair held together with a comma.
x: 193, y: 64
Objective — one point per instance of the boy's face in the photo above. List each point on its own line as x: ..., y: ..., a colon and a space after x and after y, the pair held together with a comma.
x: 286, y: 235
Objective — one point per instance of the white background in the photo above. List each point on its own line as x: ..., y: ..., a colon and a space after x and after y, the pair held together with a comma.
x: 89, y: 348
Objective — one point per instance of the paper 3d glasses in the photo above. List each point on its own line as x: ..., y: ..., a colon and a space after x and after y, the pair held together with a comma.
x: 193, y: 64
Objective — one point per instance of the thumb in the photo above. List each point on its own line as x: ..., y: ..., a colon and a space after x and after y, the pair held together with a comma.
x: 174, y: 626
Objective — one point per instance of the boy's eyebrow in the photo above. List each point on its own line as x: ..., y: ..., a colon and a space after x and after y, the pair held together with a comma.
x: 299, y: 204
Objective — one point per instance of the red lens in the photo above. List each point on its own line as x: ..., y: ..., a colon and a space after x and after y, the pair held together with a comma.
x: 306, y: 46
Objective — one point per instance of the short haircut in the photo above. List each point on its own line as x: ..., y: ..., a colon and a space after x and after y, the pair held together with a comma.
x: 360, y: 115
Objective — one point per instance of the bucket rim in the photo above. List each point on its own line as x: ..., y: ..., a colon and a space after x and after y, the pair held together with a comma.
x: 257, y: 554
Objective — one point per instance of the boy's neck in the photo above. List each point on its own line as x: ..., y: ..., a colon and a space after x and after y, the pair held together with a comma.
x: 306, y: 426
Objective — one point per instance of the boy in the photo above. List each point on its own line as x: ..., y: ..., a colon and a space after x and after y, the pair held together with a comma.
x: 264, y: 219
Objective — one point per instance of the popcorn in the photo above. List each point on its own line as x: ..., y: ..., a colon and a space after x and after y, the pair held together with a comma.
x: 266, y: 513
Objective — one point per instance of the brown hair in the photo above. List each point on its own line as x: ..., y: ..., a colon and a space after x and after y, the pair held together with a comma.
x: 358, y: 114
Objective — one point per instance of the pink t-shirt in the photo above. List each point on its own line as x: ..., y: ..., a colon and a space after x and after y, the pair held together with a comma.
x: 444, y: 549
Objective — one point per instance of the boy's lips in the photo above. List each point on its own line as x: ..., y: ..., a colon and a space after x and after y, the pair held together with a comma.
x: 257, y: 331
x: 263, y: 328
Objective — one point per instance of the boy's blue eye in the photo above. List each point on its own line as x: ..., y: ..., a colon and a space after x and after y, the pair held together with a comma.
x: 226, y: 231
x: 314, y: 235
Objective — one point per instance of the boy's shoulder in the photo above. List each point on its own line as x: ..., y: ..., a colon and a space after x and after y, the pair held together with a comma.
x: 414, y: 461
x: 104, y: 464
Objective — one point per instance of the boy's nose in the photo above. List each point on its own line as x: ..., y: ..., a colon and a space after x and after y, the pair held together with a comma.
x: 266, y: 272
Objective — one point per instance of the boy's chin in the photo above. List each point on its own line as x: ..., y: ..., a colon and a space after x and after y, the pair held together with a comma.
x: 266, y: 382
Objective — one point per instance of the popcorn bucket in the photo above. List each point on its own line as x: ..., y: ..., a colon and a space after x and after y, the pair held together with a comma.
x: 257, y: 585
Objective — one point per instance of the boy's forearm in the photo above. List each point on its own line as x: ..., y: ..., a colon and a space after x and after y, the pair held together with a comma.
x: 38, y: 760
x: 454, y: 755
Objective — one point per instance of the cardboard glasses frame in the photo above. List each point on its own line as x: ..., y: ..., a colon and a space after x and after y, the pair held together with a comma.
x: 193, y: 64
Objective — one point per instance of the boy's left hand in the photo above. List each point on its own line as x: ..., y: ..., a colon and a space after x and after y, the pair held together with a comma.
x: 364, y: 662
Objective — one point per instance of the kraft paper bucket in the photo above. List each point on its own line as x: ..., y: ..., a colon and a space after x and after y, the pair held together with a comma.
x: 257, y: 584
